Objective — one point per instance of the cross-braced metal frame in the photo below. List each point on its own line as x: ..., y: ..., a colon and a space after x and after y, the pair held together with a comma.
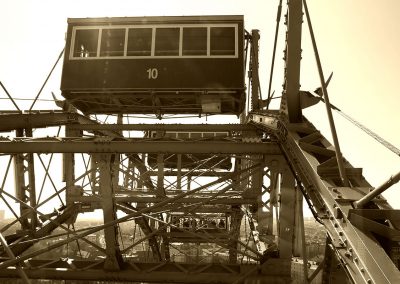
x: 189, y: 203
x: 158, y: 196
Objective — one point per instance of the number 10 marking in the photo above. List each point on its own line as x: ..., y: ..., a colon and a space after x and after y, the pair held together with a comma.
x: 153, y: 73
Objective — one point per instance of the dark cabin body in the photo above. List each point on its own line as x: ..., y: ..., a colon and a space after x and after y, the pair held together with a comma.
x: 185, y: 64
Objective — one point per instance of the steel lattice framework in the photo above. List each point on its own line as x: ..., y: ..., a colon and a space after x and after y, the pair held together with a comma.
x: 221, y: 207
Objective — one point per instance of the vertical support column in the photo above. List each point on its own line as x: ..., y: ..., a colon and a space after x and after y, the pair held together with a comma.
x: 129, y: 180
x: 189, y: 182
x: 25, y: 184
x: 19, y: 178
x: 287, y: 214
x: 160, y: 175
x: 116, y: 166
x: 273, y: 198
x: 161, y: 193
x: 256, y: 179
x: 237, y: 214
x: 94, y: 182
x: 239, y: 185
x: 143, y: 178
x: 69, y: 165
x: 234, y: 233
x: 31, y: 188
x: 165, y: 244
x: 293, y: 58
x: 299, y: 248
x: 255, y: 81
x: 179, y: 173
x: 117, y: 157
x: 140, y: 180
x: 265, y: 214
x: 107, y: 187
x: 299, y: 225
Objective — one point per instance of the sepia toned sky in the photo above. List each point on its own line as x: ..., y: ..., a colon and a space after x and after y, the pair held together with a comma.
x: 359, y: 41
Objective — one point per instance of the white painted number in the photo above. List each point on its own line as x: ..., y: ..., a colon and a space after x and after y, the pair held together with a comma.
x: 153, y: 73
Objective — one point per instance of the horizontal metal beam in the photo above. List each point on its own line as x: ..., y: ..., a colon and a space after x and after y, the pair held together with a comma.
x: 42, y: 119
x: 137, y: 146
x: 14, y: 121
x: 183, y: 173
x: 17, y: 120
x: 165, y: 127
x: 169, y: 272
x: 226, y: 199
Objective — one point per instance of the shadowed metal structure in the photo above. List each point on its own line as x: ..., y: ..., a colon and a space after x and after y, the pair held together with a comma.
x: 183, y: 203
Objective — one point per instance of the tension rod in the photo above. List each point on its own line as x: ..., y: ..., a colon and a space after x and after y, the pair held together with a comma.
x: 9, y: 96
x: 339, y: 158
x: 374, y: 193
x: 278, y: 19
x: 45, y: 82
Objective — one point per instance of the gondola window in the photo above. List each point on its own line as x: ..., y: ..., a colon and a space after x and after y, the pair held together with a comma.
x: 194, y: 41
x: 139, y: 42
x: 222, y: 41
x: 167, y: 42
x: 86, y: 43
x: 112, y: 42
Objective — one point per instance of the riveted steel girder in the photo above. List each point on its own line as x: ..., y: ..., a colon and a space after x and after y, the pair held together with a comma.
x: 163, y: 272
x: 137, y: 146
x: 365, y: 259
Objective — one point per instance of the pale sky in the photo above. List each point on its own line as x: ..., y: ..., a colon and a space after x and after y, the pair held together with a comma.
x: 358, y: 40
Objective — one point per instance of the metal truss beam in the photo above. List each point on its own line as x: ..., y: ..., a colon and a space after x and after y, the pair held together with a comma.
x: 163, y: 272
x: 365, y: 259
x: 293, y: 58
x: 41, y: 119
x: 255, y: 80
x: 137, y: 146
x: 165, y: 127
x: 231, y: 199
x: 17, y: 120
x: 108, y: 183
x: 236, y: 219
x: 205, y: 173
x: 25, y: 185
x: 286, y: 214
